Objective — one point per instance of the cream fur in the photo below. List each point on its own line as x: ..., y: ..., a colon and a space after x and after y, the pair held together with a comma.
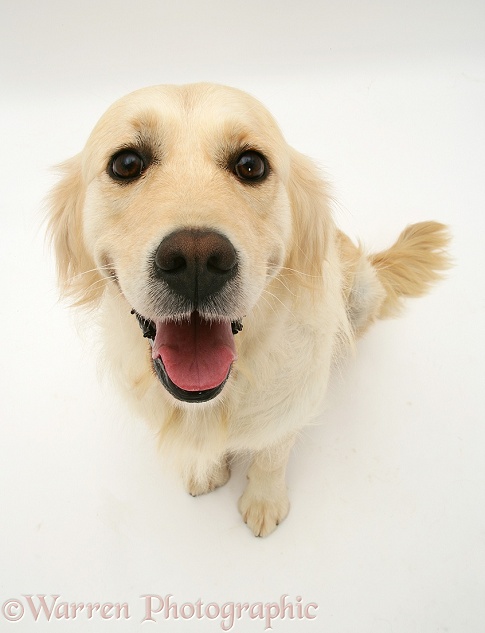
x: 305, y: 289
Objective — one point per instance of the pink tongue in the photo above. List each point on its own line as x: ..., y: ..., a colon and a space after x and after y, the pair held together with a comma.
x: 197, y: 354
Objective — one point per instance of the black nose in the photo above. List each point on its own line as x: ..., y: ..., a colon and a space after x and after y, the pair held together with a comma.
x: 195, y: 263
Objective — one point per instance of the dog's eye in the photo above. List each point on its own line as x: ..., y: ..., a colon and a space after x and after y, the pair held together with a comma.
x: 251, y: 166
x: 126, y: 165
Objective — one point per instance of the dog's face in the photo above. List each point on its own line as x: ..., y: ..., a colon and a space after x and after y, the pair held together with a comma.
x: 186, y: 208
x: 189, y: 199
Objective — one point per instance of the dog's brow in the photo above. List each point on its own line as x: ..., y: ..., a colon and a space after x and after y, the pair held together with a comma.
x: 147, y: 129
x: 144, y: 134
x: 236, y: 139
x: 146, y: 120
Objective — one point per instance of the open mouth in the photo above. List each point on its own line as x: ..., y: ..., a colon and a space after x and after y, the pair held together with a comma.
x: 192, y: 357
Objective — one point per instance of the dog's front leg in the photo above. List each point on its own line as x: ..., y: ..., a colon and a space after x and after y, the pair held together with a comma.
x: 200, y: 483
x: 265, y: 503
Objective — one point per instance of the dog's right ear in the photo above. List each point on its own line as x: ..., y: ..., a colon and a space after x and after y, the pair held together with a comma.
x: 76, y: 270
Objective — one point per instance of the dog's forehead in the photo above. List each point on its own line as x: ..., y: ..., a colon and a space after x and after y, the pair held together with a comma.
x: 203, y: 109
x: 198, y: 101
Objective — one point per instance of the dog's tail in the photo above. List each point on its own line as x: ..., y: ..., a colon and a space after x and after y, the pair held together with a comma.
x: 410, y: 267
x: 378, y: 283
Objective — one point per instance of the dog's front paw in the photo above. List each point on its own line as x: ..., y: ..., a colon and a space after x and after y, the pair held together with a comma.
x: 263, y: 515
x: 215, y: 478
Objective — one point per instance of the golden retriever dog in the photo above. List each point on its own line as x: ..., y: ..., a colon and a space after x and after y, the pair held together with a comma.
x: 224, y: 290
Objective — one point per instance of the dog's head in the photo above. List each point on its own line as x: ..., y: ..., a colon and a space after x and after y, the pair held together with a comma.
x: 189, y: 199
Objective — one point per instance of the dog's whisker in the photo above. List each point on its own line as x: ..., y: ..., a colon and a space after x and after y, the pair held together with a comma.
x: 285, y: 286
x: 98, y: 282
x: 299, y: 272
x: 266, y: 291
x: 87, y: 272
x: 268, y: 303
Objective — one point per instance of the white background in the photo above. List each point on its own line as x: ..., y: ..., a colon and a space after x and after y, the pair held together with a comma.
x: 386, y: 531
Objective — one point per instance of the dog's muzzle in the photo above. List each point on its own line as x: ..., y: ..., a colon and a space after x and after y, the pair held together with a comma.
x: 193, y: 343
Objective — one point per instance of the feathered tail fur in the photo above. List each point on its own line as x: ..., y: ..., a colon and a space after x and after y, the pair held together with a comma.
x: 376, y: 284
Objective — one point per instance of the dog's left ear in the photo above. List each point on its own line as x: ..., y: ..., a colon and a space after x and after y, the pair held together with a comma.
x: 77, y: 274
x: 313, y: 227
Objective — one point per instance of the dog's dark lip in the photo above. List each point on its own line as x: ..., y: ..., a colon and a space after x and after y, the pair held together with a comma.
x: 147, y: 326
x: 182, y: 394
x: 148, y: 329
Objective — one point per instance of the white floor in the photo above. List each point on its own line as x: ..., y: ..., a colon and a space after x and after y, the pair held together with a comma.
x: 387, y: 528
